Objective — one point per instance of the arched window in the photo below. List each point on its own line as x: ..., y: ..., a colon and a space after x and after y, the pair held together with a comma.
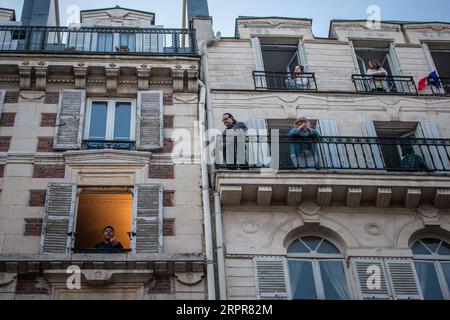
x: 432, y: 261
x: 316, y: 270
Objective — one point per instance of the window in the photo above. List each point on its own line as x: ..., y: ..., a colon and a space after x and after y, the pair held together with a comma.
x: 440, y: 53
x: 128, y: 41
x: 110, y: 120
x: 432, y: 262
x: 105, y: 42
x: 316, y: 270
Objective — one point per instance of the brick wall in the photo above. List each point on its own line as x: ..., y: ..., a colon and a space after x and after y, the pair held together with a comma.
x: 168, y: 198
x: 7, y: 119
x: 45, y: 144
x: 48, y: 171
x: 2, y: 170
x: 162, y: 284
x: 30, y: 284
x: 33, y: 227
x: 169, y: 227
x: 4, y: 144
x: 51, y: 98
x: 168, y: 121
x: 158, y: 171
x: 48, y: 119
x: 12, y: 97
x: 37, y: 198
x: 168, y: 99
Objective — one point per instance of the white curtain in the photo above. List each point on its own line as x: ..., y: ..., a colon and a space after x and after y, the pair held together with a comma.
x: 435, y: 157
x: 335, y: 272
x: 332, y: 155
x: 258, y: 146
x: 372, y: 153
x: 259, y: 62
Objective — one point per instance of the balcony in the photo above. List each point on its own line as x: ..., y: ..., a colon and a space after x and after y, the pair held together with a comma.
x: 427, y: 156
x: 384, y: 84
x: 340, y: 171
x: 103, y: 144
x: 101, y: 40
x: 442, y: 88
x: 284, y: 81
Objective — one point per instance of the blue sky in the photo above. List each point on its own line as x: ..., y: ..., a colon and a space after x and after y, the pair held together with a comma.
x: 224, y: 12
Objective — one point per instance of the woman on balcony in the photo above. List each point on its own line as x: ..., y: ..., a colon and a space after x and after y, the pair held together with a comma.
x: 304, y: 149
x: 300, y: 81
x: 378, y: 81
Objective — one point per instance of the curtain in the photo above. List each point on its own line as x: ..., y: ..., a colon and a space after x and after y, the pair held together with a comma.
x: 259, y: 62
x: 295, y: 270
x: 335, y: 272
x: 436, y: 157
x: 333, y: 154
x: 259, y: 151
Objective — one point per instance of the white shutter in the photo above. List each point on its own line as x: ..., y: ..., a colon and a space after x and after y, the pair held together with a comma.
x: 6, y: 41
x: 302, y: 54
x: 147, y: 218
x: 403, y: 280
x: 58, y: 222
x: 259, y: 152
x: 333, y: 154
x: 394, y: 62
x: 365, y: 271
x: 356, y: 69
x: 429, y: 58
x: 70, y: 119
x: 436, y: 157
x: 259, y: 62
x: 149, y: 118
x: 372, y: 153
x: 2, y: 100
x: 271, y: 278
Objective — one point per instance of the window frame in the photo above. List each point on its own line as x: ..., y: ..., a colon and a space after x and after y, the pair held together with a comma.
x: 437, y: 261
x: 110, y: 119
x: 315, y: 259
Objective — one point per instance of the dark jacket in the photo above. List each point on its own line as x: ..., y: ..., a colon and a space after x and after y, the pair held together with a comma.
x: 108, y: 246
x: 238, y: 126
x: 303, y: 135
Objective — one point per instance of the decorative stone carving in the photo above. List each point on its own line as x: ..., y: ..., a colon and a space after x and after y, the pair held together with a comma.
x: 430, y: 215
x: 80, y: 74
x: 112, y: 76
x: 25, y: 77
x: 41, y: 77
x: 310, y: 212
x: 178, y: 79
x: 373, y: 229
x: 143, y: 75
x: 189, y: 278
x: 250, y: 227
x: 192, y: 79
x: 7, y: 278
x: 31, y: 96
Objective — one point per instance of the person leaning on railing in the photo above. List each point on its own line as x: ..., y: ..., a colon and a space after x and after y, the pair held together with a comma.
x: 378, y: 82
x: 303, y: 151
x: 300, y: 81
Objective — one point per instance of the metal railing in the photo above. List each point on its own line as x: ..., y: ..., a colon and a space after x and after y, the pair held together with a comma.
x: 441, y: 87
x: 102, y: 144
x: 98, y: 40
x: 336, y: 153
x: 384, y: 84
x: 265, y: 80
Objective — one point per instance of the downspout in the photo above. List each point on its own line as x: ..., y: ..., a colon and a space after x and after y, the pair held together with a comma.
x: 219, y: 247
x: 205, y: 196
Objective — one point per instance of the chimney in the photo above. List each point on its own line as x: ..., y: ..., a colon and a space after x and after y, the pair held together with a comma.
x: 40, y: 13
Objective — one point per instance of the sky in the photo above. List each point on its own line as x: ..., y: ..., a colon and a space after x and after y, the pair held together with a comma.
x: 224, y: 12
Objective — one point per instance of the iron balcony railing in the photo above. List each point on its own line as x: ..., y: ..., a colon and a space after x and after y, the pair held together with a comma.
x: 265, y: 80
x: 339, y: 153
x: 98, y: 40
x: 103, y: 144
x: 440, y: 87
x: 384, y: 84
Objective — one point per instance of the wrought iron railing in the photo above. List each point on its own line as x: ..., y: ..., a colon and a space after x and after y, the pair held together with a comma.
x: 265, y: 80
x: 102, y: 144
x: 335, y: 153
x: 384, y: 84
x: 440, y: 87
x: 98, y: 40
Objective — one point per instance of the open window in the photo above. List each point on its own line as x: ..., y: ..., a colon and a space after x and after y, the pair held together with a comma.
x: 440, y: 53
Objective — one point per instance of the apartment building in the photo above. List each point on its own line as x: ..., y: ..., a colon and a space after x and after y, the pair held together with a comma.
x: 368, y: 218
x: 88, y: 112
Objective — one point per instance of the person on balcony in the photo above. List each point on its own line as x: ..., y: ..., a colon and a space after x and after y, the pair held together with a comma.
x: 109, y: 242
x: 411, y: 161
x: 304, y: 150
x: 234, y: 140
x: 232, y: 125
x: 299, y: 81
x: 377, y: 81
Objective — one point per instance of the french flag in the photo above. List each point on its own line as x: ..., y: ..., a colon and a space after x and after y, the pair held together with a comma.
x: 431, y: 79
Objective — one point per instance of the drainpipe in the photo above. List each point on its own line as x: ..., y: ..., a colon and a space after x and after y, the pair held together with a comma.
x: 205, y: 196
x: 219, y: 248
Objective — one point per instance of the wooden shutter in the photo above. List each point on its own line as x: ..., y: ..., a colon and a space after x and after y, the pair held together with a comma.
x: 57, y: 228
x: 373, y: 156
x: 435, y: 157
x: 70, y: 119
x: 271, y: 278
x: 403, y: 280
x: 149, y: 118
x: 362, y: 273
x: 147, y: 218
x: 2, y: 100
